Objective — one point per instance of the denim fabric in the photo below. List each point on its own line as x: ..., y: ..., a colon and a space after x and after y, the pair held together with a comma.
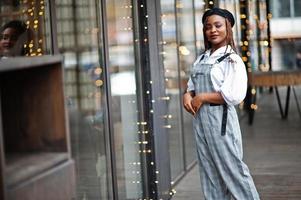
x: 223, y: 173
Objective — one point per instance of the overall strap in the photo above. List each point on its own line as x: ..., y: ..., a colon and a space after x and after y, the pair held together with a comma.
x: 223, y: 57
x: 203, y: 56
x: 225, y: 107
x: 224, y: 119
x: 219, y: 59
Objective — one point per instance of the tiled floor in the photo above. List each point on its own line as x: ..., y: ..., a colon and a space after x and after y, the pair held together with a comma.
x: 272, y: 150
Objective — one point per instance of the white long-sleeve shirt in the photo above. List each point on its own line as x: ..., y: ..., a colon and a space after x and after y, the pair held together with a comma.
x: 228, y: 77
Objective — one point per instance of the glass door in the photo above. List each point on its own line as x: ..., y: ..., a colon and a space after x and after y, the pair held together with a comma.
x: 172, y: 83
x: 187, y: 55
x: 79, y: 36
x: 123, y: 99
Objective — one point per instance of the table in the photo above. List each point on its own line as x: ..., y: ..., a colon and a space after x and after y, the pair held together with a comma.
x: 274, y: 79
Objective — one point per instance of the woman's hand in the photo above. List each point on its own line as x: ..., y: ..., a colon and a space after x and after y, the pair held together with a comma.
x: 187, y: 99
x: 197, y: 102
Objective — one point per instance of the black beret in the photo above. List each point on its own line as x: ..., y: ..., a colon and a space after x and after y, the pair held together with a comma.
x: 221, y: 12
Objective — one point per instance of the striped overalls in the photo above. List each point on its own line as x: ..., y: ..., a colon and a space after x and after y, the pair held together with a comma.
x: 223, y: 173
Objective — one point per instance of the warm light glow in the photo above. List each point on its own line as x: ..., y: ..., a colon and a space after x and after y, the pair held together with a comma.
x: 98, y: 83
x: 167, y: 126
x: 184, y: 51
x: 254, y: 106
x: 98, y: 71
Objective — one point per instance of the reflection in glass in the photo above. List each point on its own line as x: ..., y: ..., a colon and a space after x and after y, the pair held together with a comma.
x: 262, y: 35
x: 124, y: 111
x: 13, y: 36
x: 281, y: 8
x: 24, y: 28
x: 253, y: 44
x: 80, y: 43
x: 172, y: 87
x: 199, y: 7
x: 288, y: 53
x: 297, y: 6
x: 187, y: 55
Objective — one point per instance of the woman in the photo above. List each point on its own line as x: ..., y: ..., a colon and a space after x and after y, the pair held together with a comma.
x: 12, y: 39
x: 218, y: 82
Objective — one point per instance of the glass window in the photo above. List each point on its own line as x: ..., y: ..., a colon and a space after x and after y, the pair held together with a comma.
x: 187, y: 55
x: 80, y: 43
x: 125, y: 121
x: 286, y: 54
x: 24, y: 28
x: 258, y: 38
x: 297, y: 6
x: 253, y: 37
x: 263, y: 50
x: 171, y: 68
x: 281, y: 8
x: 199, y: 10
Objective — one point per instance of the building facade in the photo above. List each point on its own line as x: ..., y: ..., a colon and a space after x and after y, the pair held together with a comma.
x: 126, y: 64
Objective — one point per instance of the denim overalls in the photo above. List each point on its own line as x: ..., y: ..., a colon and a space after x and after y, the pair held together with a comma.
x: 219, y: 147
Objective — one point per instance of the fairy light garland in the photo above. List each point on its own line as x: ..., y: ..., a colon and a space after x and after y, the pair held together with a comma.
x: 246, y: 54
x: 168, y: 72
x: 145, y: 131
x: 34, y: 12
x: 142, y: 126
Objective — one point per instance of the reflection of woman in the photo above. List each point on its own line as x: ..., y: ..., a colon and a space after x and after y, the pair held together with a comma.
x: 13, y: 36
x: 218, y: 82
x: 298, y: 58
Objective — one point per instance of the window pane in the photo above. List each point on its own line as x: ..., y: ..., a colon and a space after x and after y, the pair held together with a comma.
x: 199, y: 10
x: 24, y: 28
x: 124, y: 104
x: 281, y: 8
x: 81, y: 46
x: 187, y: 55
x: 263, y: 51
x: 297, y: 7
x: 253, y: 43
x: 287, y: 54
x: 172, y: 87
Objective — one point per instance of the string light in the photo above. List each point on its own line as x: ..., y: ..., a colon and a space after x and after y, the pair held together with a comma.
x: 252, y: 24
x: 33, y: 14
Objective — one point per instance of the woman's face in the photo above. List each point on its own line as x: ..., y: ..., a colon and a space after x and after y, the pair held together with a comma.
x: 8, y: 40
x: 216, y: 32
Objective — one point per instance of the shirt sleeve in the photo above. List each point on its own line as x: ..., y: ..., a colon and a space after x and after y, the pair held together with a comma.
x: 234, y: 86
x: 190, y: 86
